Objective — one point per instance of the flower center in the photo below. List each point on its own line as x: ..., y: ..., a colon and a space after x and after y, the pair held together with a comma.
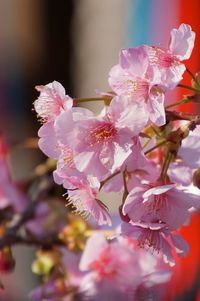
x: 150, y: 239
x: 137, y: 87
x: 102, y: 133
x: 162, y: 58
x: 48, y: 105
x: 104, y: 266
x: 68, y: 157
x: 159, y: 201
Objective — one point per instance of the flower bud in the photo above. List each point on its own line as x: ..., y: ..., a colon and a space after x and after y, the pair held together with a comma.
x: 7, y: 262
x: 74, y: 235
x: 196, y: 178
x: 125, y: 218
x: 45, y: 261
x: 196, y: 82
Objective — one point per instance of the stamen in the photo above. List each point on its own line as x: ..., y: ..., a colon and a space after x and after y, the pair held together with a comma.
x: 149, y: 239
x: 48, y: 105
x: 68, y: 158
x: 159, y: 201
x: 103, y: 265
x: 102, y: 133
x: 162, y: 58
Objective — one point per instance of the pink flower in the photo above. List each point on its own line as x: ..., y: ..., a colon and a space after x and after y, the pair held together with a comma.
x: 154, y: 203
x: 50, y: 104
x: 169, y: 60
x: 84, y: 200
x: 52, y: 101
x: 132, y: 77
x: 111, y: 263
x: 116, y: 269
x: 66, y: 172
x: 48, y: 142
x: 157, y: 238
x: 101, y: 144
x: 61, y: 286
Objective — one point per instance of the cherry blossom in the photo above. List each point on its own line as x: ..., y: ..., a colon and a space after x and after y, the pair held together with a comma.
x: 169, y: 60
x: 157, y: 238
x: 132, y: 77
x: 52, y: 101
x: 154, y: 203
x: 84, y: 200
x: 100, y: 144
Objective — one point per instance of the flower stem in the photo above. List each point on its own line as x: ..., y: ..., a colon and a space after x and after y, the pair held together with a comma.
x: 165, y: 167
x: 192, y: 76
x: 125, y: 188
x: 108, y: 178
x: 181, y: 102
x: 189, y: 88
x: 155, y: 147
x: 89, y: 99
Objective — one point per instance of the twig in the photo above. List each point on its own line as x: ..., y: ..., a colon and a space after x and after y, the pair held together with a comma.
x: 173, y: 115
x: 11, y: 237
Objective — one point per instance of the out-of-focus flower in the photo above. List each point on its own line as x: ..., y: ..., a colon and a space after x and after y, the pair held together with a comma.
x: 63, y: 283
x: 74, y: 235
x: 116, y: 268
x: 10, y: 195
x: 107, y: 260
x: 49, y: 218
x: 45, y: 261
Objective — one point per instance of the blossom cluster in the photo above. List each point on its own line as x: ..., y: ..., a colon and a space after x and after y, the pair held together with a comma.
x: 104, y: 272
x: 136, y: 149
x: 104, y: 152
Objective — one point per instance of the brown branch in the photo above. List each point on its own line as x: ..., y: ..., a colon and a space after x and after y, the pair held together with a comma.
x: 48, y: 241
x: 11, y: 236
x: 45, y: 241
x: 173, y: 115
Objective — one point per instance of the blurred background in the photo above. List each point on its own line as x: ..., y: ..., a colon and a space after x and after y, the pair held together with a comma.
x: 76, y: 42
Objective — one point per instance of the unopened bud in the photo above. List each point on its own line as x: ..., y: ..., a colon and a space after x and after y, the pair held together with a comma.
x: 175, y: 139
x: 196, y: 82
x: 125, y: 218
x: 74, y: 234
x: 45, y: 261
x: 7, y: 262
x: 196, y: 178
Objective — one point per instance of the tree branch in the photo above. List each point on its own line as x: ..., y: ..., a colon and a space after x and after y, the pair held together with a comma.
x: 173, y: 115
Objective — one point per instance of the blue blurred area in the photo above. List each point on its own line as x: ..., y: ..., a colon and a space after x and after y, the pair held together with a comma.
x: 139, y: 23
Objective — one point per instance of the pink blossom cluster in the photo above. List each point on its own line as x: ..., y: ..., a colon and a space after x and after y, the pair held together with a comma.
x: 114, y: 270
x: 104, y: 152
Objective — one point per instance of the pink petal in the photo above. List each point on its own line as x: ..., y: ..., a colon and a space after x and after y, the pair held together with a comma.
x: 95, y: 245
x: 182, y: 41
x: 157, y: 190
